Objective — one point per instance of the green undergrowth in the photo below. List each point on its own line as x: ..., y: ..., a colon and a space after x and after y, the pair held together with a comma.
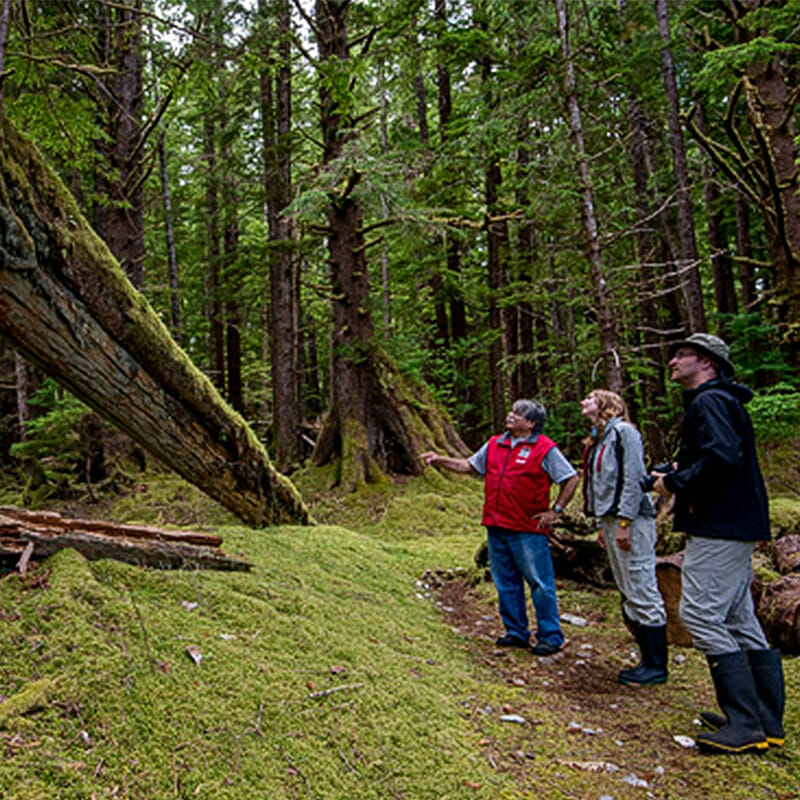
x: 321, y: 674
x: 328, y: 671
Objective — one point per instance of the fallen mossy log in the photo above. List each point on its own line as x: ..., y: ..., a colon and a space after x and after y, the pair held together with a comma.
x: 26, y: 535
x: 67, y: 305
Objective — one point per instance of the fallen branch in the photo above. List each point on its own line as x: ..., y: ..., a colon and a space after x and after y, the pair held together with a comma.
x: 26, y: 535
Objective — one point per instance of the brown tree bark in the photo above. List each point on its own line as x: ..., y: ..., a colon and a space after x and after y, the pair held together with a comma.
x: 689, y: 267
x: 66, y: 304
x: 772, y: 107
x: 372, y: 425
x: 121, y: 104
x: 650, y: 335
x: 455, y: 302
x: 497, y: 253
x: 23, y: 410
x: 276, y: 114
x: 172, y: 255
x: 744, y: 254
x: 721, y: 260
x: 214, y: 307
x: 232, y: 280
x: 609, y: 341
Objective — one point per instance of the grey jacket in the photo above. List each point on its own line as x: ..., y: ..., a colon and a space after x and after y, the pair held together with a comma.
x: 613, y: 469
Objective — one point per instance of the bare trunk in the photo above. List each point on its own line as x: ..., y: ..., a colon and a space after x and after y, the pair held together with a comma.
x: 276, y: 113
x: 172, y: 255
x: 689, y: 268
x: 66, y: 304
x: 5, y: 15
x: 770, y: 108
x: 233, y: 282
x: 466, y: 391
x: 650, y: 336
x: 372, y: 425
x: 214, y: 310
x: 609, y: 343
x: 23, y: 412
x: 744, y: 254
x: 122, y: 118
x: 497, y: 250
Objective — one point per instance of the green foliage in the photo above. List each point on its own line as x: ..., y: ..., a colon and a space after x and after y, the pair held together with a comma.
x: 53, y: 440
x: 776, y: 414
x: 754, y: 349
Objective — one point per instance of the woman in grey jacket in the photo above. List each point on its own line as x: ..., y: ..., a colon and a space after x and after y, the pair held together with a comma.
x: 613, y: 470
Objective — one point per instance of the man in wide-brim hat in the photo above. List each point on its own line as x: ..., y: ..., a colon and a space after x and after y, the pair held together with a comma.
x: 721, y: 504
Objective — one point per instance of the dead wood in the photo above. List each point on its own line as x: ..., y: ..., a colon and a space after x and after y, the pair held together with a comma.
x: 668, y: 577
x: 779, y: 611
x: 787, y: 553
x: 27, y: 535
x: 67, y: 305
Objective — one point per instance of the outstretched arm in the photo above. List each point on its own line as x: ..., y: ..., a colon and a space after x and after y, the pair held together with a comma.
x: 448, y: 462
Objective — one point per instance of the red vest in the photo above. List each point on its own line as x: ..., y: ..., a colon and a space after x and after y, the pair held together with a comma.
x: 515, y: 486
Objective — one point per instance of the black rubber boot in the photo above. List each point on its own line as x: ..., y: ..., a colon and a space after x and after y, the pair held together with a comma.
x: 738, y: 699
x: 652, y: 668
x: 767, y: 672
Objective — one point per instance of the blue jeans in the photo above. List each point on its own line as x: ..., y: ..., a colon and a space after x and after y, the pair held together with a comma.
x: 517, y: 557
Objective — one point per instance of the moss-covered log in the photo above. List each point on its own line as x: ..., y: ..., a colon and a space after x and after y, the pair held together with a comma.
x: 66, y: 304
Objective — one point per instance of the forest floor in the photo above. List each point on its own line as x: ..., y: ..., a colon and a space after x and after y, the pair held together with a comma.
x: 357, y: 659
x: 598, y: 738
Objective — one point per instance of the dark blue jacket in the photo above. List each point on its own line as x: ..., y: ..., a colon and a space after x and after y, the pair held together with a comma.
x: 718, y: 486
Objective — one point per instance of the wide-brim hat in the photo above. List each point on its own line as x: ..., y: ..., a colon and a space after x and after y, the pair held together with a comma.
x: 710, y: 346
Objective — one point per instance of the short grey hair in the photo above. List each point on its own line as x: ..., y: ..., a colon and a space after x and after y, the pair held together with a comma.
x: 532, y: 411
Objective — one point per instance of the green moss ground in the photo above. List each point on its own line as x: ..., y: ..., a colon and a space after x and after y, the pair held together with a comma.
x: 329, y: 672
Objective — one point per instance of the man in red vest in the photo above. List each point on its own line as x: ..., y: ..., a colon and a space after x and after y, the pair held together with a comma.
x: 519, y: 467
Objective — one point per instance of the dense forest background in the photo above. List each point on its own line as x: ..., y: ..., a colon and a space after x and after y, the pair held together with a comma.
x: 363, y: 220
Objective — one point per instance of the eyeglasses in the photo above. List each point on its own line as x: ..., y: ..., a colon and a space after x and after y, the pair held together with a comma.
x: 684, y: 354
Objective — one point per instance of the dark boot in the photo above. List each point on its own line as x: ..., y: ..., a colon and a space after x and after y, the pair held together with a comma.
x: 652, y: 640
x: 738, y: 699
x: 767, y: 672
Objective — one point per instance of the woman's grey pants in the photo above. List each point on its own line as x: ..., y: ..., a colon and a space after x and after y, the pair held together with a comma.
x: 634, y: 570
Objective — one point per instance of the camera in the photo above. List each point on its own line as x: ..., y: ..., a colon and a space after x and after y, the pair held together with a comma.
x: 648, y: 481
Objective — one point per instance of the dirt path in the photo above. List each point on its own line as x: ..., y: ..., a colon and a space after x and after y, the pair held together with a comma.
x: 565, y: 728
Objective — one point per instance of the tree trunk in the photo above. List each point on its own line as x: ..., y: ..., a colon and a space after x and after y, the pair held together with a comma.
x: 5, y: 16
x: 497, y: 251
x: 457, y: 307
x: 721, y: 261
x: 609, y: 343
x: 744, y: 254
x: 372, y: 425
x: 214, y: 311
x: 276, y: 115
x: 172, y: 255
x: 650, y: 336
x: 121, y: 118
x: 770, y: 104
x: 65, y: 303
x: 23, y: 411
x: 689, y: 269
x: 233, y: 289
